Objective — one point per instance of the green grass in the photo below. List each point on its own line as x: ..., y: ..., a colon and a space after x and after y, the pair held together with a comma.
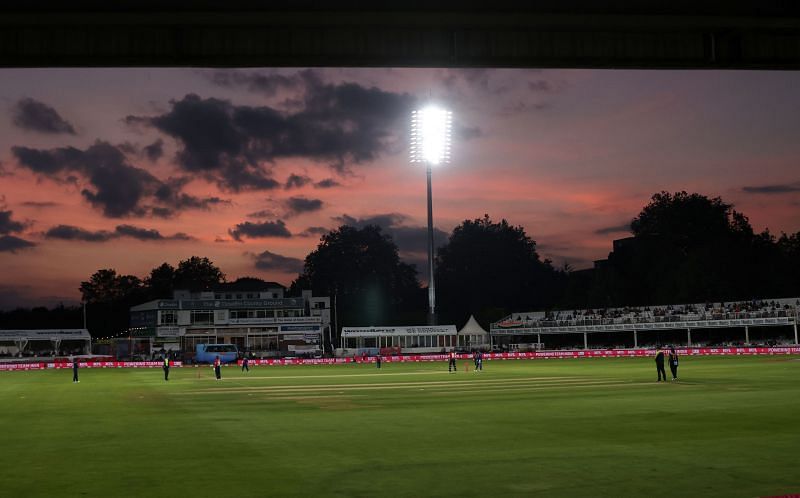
x: 589, y: 427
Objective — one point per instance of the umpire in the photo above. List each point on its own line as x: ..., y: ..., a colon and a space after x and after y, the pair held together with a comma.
x: 166, y: 367
x: 660, y: 364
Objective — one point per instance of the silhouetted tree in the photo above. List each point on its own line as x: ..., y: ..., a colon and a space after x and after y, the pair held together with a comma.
x: 490, y: 269
x: 197, y: 274
x: 161, y: 282
x: 106, y: 286
x: 109, y: 298
x: 690, y: 248
x: 362, y: 268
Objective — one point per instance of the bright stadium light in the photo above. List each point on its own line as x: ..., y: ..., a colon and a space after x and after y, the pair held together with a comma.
x: 430, y: 135
x: 430, y: 144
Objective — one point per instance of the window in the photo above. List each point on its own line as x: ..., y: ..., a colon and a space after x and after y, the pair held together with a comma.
x: 168, y: 317
x: 202, y: 317
x: 221, y: 348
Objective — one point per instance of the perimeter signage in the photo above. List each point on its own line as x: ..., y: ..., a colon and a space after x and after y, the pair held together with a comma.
x: 222, y: 304
x: 398, y: 331
x: 44, y: 334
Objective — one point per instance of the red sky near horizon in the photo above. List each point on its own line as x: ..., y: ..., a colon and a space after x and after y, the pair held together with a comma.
x: 130, y: 168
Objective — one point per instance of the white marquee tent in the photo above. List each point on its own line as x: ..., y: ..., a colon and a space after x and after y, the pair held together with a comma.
x: 473, y: 336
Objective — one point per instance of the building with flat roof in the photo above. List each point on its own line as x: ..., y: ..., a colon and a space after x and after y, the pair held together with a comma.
x: 256, y: 317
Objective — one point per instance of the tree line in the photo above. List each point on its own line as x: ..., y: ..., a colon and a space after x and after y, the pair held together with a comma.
x: 683, y: 248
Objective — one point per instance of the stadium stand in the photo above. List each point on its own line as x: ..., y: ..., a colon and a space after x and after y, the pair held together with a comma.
x: 655, y: 314
x: 688, y: 317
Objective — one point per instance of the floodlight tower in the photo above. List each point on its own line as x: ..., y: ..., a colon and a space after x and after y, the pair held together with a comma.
x: 430, y: 144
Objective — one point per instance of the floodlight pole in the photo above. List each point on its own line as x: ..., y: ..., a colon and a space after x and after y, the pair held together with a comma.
x: 431, y: 282
x: 430, y: 144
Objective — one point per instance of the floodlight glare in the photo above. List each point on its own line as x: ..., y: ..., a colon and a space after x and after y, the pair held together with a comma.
x: 430, y: 135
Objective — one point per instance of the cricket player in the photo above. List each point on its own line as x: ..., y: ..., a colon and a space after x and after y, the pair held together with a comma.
x: 217, y: 368
x: 673, y: 362
x: 660, y: 364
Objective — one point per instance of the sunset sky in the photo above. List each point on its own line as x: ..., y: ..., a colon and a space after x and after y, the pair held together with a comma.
x: 130, y: 168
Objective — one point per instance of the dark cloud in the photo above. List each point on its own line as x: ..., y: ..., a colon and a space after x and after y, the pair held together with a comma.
x: 151, y: 152
x: 327, y: 183
x: 118, y: 188
x: 381, y: 220
x: 38, y: 204
x: 50, y: 162
x: 773, y: 189
x: 300, y: 205
x: 69, y: 232
x: 260, y: 230
x: 170, y: 194
x: 162, y: 212
x: 271, y: 261
x: 129, y: 148
x: 412, y: 241
x: 148, y: 233
x: 155, y: 150
x: 31, y: 114
x: 214, y: 144
x: 314, y: 232
x: 264, y: 213
x: 7, y: 225
x: 235, y: 145
x: 9, y: 243
x: 267, y: 84
x: 623, y: 228
x: 476, y: 78
x: 296, y: 181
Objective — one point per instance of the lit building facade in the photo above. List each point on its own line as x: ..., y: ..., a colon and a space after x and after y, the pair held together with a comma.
x: 259, y: 320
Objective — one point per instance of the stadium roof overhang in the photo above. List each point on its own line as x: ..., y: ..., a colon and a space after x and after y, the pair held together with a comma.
x: 644, y: 327
x: 436, y: 33
x: 45, y: 335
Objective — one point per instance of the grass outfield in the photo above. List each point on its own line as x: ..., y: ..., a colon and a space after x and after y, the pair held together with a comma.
x: 588, y: 427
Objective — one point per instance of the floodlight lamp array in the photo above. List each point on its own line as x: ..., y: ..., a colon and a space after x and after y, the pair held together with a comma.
x: 430, y: 135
